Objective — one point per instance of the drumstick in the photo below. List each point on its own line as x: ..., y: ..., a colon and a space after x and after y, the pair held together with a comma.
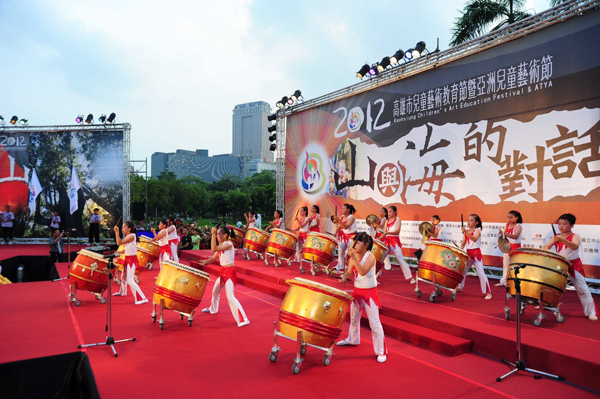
x: 119, y: 220
x: 554, y: 231
x: 462, y: 222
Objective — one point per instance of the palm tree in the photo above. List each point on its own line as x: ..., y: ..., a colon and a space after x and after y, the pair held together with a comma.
x: 479, y: 15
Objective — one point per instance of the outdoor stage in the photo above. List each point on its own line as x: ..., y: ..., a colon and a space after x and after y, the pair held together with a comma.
x: 446, y: 354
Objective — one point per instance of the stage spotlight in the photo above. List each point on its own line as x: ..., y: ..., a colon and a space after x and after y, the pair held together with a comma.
x: 284, y: 100
x: 23, y: 122
x: 1, y: 120
x: 273, y: 137
x: 272, y: 117
x: 373, y: 70
x: 290, y: 101
x: 385, y: 61
x: 297, y: 94
x: 14, y: 119
x: 111, y: 117
x: 102, y: 118
x: 79, y: 119
x: 272, y: 128
x: 398, y: 55
x: 280, y: 104
x: 363, y: 71
x: 418, y: 50
x: 89, y: 119
x: 273, y: 147
x: 409, y: 54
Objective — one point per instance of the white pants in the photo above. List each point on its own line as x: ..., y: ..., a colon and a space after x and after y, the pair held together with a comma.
x: 505, y: 263
x: 397, y: 251
x: 578, y: 281
x: 162, y: 258
x: 174, y: 256
x: 342, y: 248
x: 236, y: 308
x: 372, y: 312
x: 127, y: 278
x: 483, y: 280
x: 299, y: 246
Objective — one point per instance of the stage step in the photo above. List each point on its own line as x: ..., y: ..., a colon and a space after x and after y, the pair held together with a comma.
x: 415, y: 334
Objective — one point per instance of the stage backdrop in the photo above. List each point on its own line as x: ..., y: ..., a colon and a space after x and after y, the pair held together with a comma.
x: 98, y: 159
x: 514, y: 127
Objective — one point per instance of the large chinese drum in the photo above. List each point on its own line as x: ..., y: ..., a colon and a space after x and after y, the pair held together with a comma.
x: 256, y: 240
x: 546, y: 273
x: 380, y: 251
x: 316, y: 309
x: 238, y: 241
x: 444, y: 261
x: 120, y: 260
x: 147, y: 251
x: 89, y: 272
x: 282, y: 243
x: 319, y: 248
x: 180, y: 286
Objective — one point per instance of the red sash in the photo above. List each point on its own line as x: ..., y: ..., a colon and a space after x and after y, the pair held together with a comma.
x: 303, y: 235
x: 576, y: 265
x: 315, y: 228
x: 475, y: 253
x: 392, y: 241
x: 173, y: 241
x: 366, y: 294
x: 514, y: 246
x: 227, y: 273
x: 165, y: 249
x: 346, y: 237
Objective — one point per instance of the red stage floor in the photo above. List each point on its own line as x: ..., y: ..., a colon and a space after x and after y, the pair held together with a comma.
x: 215, y: 357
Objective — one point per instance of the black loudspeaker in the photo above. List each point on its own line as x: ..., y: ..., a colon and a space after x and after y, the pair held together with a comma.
x: 138, y: 210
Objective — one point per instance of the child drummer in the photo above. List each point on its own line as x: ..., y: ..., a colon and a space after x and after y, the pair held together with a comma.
x: 472, y: 242
x: 567, y: 245
x: 361, y: 267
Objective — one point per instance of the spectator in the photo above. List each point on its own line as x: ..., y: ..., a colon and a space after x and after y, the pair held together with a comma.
x: 195, y: 240
x: 186, y: 240
x: 239, y: 224
x: 7, y: 226
x: 55, y: 221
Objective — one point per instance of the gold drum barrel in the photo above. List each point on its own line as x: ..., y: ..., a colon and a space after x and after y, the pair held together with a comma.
x: 316, y: 309
x: 256, y: 240
x: 447, y: 262
x: 380, y: 251
x: 319, y: 248
x: 149, y: 251
x: 546, y: 273
x: 282, y: 243
x: 238, y: 241
x: 89, y: 272
x: 181, y: 286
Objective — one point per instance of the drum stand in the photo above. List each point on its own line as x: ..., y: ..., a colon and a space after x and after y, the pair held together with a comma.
x: 161, y: 321
x: 246, y: 254
x: 300, y: 349
x: 437, y: 289
x: 537, y: 321
x: 108, y: 328
x: 277, y: 259
x: 519, y: 365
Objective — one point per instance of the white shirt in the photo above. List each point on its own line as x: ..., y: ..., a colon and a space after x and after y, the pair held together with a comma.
x: 7, y: 219
x: 173, y: 234
x: 368, y: 280
x: 570, y: 254
x: 313, y: 220
x: 511, y: 231
x: 164, y: 240
x: 352, y: 228
x: 227, y: 256
x: 305, y: 228
x: 251, y: 225
x: 130, y: 247
x: 390, y: 225
x: 55, y: 222
x: 436, y: 229
x: 470, y: 244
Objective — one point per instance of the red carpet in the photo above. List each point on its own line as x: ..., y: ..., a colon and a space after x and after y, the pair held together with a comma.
x: 216, y: 358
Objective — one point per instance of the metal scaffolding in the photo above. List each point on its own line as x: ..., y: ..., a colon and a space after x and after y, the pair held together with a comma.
x: 139, y: 190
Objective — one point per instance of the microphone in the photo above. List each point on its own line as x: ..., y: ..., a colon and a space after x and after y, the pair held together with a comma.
x: 111, y: 256
x: 518, y: 267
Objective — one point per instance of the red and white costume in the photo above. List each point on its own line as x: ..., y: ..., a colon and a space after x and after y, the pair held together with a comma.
x: 514, y: 244
x: 173, y: 242
x: 365, y: 297
x: 437, y: 233
x: 252, y: 223
x: 164, y: 249
x: 130, y: 264
x: 386, y: 261
x: 227, y: 280
x: 474, y: 251
x: 279, y: 224
x: 345, y: 237
x: 302, y: 234
x: 395, y: 246
x: 577, y: 276
x: 313, y: 223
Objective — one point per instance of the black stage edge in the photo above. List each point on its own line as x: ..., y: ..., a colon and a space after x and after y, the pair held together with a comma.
x: 35, y: 268
x: 63, y: 376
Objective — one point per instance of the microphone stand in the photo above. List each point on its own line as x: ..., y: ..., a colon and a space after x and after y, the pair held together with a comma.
x: 519, y: 365
x: 108, y: 328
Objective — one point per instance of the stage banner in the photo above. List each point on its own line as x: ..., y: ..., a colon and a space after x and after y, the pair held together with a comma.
x: 513, y: 127
x: 96, y: 155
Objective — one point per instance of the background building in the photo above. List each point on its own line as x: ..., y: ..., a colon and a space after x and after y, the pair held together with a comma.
x: 257, y: 166
x: 197, y: 163
x: 250, y: 136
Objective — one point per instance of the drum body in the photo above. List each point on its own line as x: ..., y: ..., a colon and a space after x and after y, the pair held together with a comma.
x: 149, y: 251
x: 316, y: 309
x: 238, y: 241
x: 282, y: 243
x: 181, y: 287
x: 320, y: 248
x: 546, y: 273
x: 380, y: 251
x: 256, y: 240
x: 142, y: 257
x: 89, y: 272
x: 447, y: 262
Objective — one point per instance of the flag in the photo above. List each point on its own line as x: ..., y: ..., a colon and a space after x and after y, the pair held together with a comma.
x: 74, y: 187
x: 34, y: 190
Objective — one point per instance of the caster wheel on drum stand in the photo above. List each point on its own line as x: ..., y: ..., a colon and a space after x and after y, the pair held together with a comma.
x: 453, y: 296
x: 439, y: 292
x: 78, y: 303
x: 162, y: 326
x: 326, y: 360
x: 190, y: 323
x: 273, y: 357
x: 302, y: 271
x: 560, y: 318
x: 180, y: 317
x: 296, y: 368
x: 303, y: 350
x: 537, y: 322
x: 102, y: 300
x: 507, y: 314
x: 278, y: 262
x: 153, y: 318
x: 419, y: 293
x: 432, y: 298
x: 258, y: 256
x: 313, y: 272
x: 267, y: 263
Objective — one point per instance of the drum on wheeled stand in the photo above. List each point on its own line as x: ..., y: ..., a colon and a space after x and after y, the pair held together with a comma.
x: 89, y: 272
x: 281, y: 244
x: 319, y: 250
x: 255, y: 241
x: 443, y: 266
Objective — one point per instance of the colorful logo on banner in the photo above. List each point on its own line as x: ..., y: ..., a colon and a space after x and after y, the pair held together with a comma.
x: 355, y: 119
x: 313, y: 179
x: 388, y: 179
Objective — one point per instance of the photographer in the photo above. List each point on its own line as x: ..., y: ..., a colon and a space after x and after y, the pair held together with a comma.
x: 57, y: 246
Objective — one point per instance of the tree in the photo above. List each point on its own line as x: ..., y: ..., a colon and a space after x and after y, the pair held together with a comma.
x: 218, y: 203
x: 239, y: 202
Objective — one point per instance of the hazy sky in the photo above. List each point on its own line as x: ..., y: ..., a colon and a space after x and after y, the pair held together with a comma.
x: 175, y: 69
